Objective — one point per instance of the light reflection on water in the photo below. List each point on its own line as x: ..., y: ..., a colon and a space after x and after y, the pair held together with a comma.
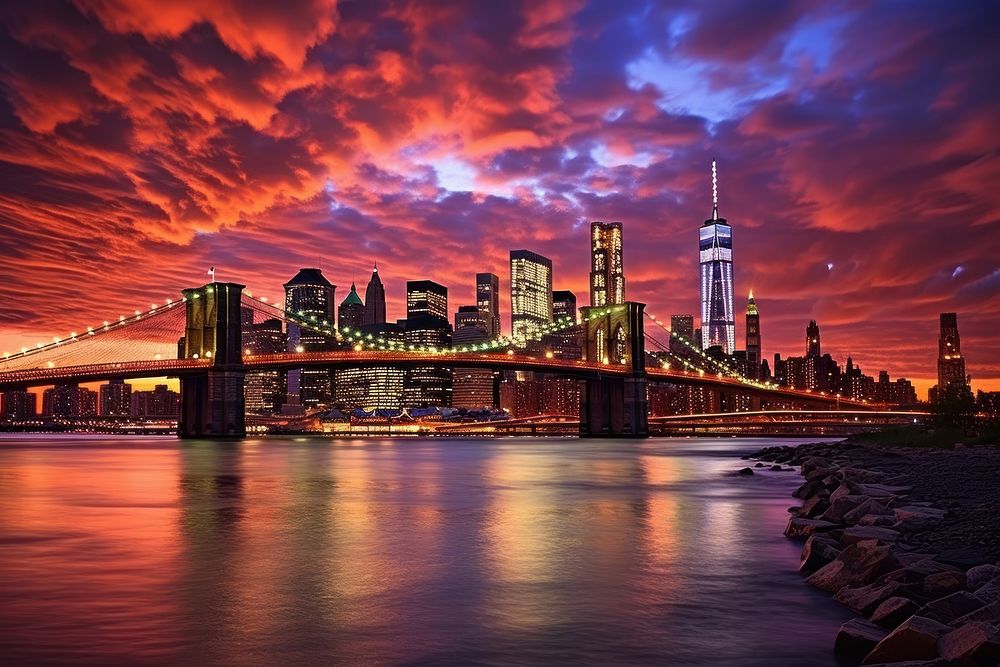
x: 379, y: 551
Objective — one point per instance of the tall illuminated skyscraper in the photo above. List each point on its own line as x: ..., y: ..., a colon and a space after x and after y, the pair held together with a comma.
x: 753, y: 337
x: 530, y: 294
x: 715, y: 247
x: 813, y: 348
x: 951, y: 363
x: 488, y: 302
x: 607, y: 277
x: 375, y: 299
x: 309, y: 296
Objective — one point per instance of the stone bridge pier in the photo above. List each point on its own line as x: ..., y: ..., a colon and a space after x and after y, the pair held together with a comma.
x: 614, y: 405
x: 212, y: 404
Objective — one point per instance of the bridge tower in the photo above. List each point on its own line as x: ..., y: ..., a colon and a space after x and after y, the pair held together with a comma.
x: 615, y: 405
x: 212, y: 401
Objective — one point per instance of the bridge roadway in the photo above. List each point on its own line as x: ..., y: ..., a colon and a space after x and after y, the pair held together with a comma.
x: 36, y: 377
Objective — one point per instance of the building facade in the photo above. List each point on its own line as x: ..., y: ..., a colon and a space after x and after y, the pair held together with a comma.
x: 309, y: 296
x: 530, y: 295
x: 351, y: 312
x: 813, y: 347
x: 116, y: 399
x: 375, y: 299
x: 564, y: 306
x: 715, y: 258
x: 951, y: 363
x: 607, y: 276
x: 488, y: 302
x: 753, y: 337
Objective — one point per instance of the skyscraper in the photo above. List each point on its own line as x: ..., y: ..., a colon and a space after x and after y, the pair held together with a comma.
x: 564, y: 305
x: 530, y: 294
x: 469, y: 316
x: 812, y: 340
x: 488, y: 302
x: 427, y: 325
x: 375, y: 299
x: 951, y: 363
x: 607, y: 278
x: 682, y: 328
x: 263, y: 390
x: 116, y: 399
x: 715, y: 247
x: 309, y: 296
x: 351, y: 313
x: 753, y: 337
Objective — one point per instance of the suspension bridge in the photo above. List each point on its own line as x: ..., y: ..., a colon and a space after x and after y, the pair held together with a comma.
x: 199, y: 339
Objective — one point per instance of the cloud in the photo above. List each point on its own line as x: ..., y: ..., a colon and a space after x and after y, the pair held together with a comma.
x: 140, y: 143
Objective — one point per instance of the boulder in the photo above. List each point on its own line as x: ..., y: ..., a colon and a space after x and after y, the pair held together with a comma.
x: 778, y: 468
x: 981, y: 575
x: 989, y: 613
x: 758, y: 465
x: 917, y: 514
x: 975, y: 643
x: 894, y: 611
x: 802, y: 528
x: 841, y: 491
x: 839, y: 507
x: 867, y: 507
x: 950, y: 607
x: 915, y: 639
x: 883, y: 490
x: 809, y: 489
x: 814, y: 507
x: 940, y: 584
x: 745, y: 471
x: 885, y: 520
x: 866, y: 599
x: 818, y: 550
x: 857, y: 638
x: 990, y: 592
x: 857, y: 565
x: 859, y: 533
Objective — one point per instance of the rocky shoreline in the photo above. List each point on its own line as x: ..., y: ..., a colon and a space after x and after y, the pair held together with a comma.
x: 907, y: 538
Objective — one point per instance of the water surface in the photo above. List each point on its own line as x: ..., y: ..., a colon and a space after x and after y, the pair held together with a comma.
x: 308, y: 551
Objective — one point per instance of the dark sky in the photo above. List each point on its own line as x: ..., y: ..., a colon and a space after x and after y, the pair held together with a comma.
x: 858, y: 146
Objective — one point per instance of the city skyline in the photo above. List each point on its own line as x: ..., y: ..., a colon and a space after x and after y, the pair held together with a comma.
x: 870, y: 242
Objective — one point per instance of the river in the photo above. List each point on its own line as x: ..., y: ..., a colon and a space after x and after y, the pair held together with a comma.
x: 419, y: 551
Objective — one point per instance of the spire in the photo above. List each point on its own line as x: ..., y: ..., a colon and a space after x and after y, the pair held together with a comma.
x: 751, y: 305
x: 715, y: 192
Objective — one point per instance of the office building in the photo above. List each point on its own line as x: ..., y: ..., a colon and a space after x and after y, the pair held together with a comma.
x: 683, y: 335
x: 351, y: 312
x: 564, y: 305
x: 69, y: 400
x: 607, y: 277
x: 951, y: 363
x: 116, y: 399
x: 375, y: 387
x: 375, y: 299
x: 472, y: 388
x: 426, y: 298
x: 160, y: 403
x: 753, y: 338
x: 715, y: 248
x: 469, y: 316
x: 530, y: 295
x: 18, y: 404
x: 309, y: 297
x: 263, y: 391
x: 488, y: 302
x: 812, y: 340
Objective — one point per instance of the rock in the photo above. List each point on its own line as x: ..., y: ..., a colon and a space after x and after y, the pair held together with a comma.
x: 746, y: 471
x: 758, y: 465
x: 809, y: 489
x: 776, y: 468
x: 819, y: 550
x: 915, y: 639
x: 883, y: 490
x: 866, y: 599
x: 869, y: 506
x: 981, y: 575
x: 943, y: 583
x: 990, y: 592
x: 859, y: 533
x: 917, y: 514
x: 975, y: 643
x: 857, y: 638
x: 990, y: 614
x: 857, y: 565
x: 813, y: 507
x: 885, y: 520
x: 839, y: 507
x: 841, y: 491
x: 950, y: 607
x: 802, y: 528
x: 894, y: 611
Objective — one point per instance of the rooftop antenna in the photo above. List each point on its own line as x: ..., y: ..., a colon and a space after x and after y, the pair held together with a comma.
x: 715, y: 192
x: 211, y: 272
